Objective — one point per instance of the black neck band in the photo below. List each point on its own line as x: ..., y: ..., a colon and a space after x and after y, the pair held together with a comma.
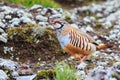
x: 60, y: 26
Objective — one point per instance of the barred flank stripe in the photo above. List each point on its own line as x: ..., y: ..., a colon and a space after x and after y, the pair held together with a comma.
x: 79, y: 41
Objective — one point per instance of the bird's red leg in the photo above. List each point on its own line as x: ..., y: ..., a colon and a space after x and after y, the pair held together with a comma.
x: 76, y: 56
x: 83, y: 58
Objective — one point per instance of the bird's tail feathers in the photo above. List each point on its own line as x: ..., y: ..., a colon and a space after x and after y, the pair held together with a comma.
x: 102, y: 46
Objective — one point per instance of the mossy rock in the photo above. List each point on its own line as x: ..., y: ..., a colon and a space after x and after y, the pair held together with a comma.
x: 32, y: 45
x: 24, y: 33
x: 45, y: 74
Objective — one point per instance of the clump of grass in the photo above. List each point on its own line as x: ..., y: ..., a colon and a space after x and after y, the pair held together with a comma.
x: 29, y: 3
x: 64, y: 72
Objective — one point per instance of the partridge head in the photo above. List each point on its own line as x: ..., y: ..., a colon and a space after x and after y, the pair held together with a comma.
x: 74, y: 41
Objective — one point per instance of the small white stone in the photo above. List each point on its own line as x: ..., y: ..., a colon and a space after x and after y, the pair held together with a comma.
x: 92, y: 18
x: 86, y: 19
x: 29, y: 77
x: 96, y: 53
x: 95, y: 37
x: 54, y: 11
x: 20, y: 13
x: 2, y: 25
x: 2, y: 15
x: 15, y: 74
x: 60, y: 10
x: 57, y: 16
x: 98, y: 41
x: 1, y: 30
x: 3, y: 75
x: 111, y: 18
x: 41, y: 18
x: 108, y: 50
x: 15, y: 21
x: 9, y: 64
x: 8, y: 17
x: 84, y: 8
x: 82, y: 65
x: 117, y: 26
x: 3, y: 39
x: 118, y: 35
x: 25, y: 20
x: 36, y: 6
x: 89, y: 28
x: 17, y: 58
x: 43, y: 24
x: 106, y: 37
x: 101, y: 20
x: 99, y: 15
x: 102, y: 63
x: 119, y: 42
x: 7, y: 9
x: 107, y: 24
x: 113, y: 36
x: 71, y: 58
x: 4, y: 35
x: 43, y: 63
x: 43, y: 12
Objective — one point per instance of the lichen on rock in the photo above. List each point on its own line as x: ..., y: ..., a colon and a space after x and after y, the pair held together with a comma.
x: 44, y: 74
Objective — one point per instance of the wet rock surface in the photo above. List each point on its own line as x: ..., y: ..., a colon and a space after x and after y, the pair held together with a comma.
x: 25, y: 34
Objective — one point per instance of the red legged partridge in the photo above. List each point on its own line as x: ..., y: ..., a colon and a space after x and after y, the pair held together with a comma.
x: 74, y: 41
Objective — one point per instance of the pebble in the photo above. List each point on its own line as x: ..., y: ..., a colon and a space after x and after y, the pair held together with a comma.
x: 15, y: 21
x: 9, y: 64
x: 35, y: 7
x: 2, y: 25
x: 8, y: 17
x: 86, y: 19
x: 1, y: 30
x: 29, y: 77
x: 89, y: 28
x: 81, y: 66
x: 3, y: 75
x: 3, y: 39
x: 99, y: 15
x: 41, y: 18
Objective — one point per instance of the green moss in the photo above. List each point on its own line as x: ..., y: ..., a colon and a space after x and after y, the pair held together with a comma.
x: 45, y: 74
x: 99, y: 24
x: 24, y: 33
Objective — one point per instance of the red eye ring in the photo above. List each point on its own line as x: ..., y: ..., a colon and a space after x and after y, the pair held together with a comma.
x: 54, y: 22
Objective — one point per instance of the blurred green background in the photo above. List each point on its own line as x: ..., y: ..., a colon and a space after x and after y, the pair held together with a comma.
x: 29, y: 3
x: 53, y: 3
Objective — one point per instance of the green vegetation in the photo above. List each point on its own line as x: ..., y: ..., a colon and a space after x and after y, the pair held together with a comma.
x: 64, y: 72
x: 29, y: 3
x: 22, y: 33
x: 45, y: 74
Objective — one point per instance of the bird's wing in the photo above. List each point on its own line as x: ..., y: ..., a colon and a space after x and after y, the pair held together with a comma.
x: 84, y: 34
x: 78, y: 40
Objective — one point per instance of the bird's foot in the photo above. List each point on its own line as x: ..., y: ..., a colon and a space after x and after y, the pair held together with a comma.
x: 83, y: 58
